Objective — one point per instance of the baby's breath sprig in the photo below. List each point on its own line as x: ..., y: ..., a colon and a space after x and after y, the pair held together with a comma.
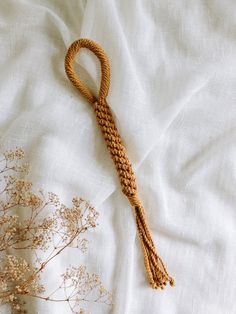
x: 26, y: 226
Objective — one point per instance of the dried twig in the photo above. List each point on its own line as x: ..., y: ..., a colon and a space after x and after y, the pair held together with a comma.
x: 49, y: 234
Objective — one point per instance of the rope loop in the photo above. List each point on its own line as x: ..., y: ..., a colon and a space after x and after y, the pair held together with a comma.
x: 105, y: 68
x: 155, y: 268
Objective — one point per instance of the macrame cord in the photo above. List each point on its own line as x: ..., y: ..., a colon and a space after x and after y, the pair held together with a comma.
x: 156, y: 271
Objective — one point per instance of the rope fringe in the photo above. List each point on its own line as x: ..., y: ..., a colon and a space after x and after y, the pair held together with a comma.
x: 156, y: 271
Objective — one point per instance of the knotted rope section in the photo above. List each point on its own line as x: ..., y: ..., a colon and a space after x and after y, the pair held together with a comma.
x: 156, y: 270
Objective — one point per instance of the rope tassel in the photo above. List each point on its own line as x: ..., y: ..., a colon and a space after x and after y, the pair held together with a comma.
x: 156, y: 271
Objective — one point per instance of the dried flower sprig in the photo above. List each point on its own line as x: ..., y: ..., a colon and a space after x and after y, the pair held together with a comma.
x: 26, y: 226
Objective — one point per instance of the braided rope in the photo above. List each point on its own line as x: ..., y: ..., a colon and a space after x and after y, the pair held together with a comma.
x: 155, y: 268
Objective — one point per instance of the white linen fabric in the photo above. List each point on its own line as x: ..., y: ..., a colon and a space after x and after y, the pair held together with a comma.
x: 173, y: 93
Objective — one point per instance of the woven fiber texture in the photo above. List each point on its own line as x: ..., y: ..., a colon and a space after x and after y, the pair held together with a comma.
x: 156, y: 271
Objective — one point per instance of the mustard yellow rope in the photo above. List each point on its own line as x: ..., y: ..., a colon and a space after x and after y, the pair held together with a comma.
x: 155, y: 268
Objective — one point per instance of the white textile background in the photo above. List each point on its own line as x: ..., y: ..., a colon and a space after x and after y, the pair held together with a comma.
x: 173, y: 93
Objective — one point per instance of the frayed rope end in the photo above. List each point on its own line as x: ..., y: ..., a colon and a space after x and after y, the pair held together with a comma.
x: 156, y: 271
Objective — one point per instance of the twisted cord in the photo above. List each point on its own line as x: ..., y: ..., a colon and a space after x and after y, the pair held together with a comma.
x: 156, y: 271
